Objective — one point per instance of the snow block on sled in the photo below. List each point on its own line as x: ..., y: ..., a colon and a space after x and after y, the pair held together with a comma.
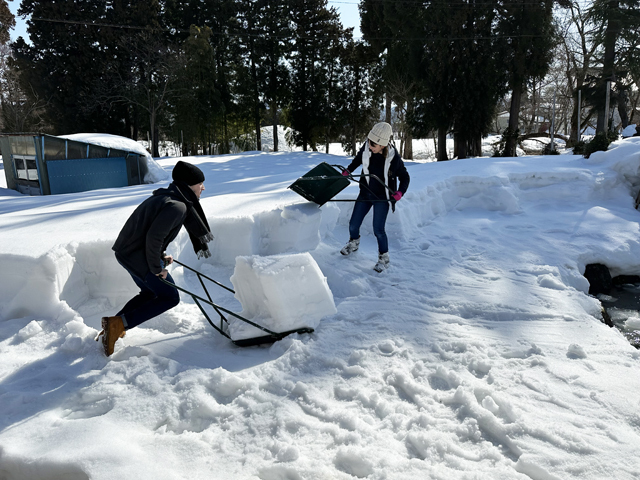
x: 320, y: 184
x: 283, y: 293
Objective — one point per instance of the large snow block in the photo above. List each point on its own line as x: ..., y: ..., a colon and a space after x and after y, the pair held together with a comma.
x: 281, y: 293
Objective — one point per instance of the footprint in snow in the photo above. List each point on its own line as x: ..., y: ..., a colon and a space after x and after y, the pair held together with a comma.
x: 438, y: 383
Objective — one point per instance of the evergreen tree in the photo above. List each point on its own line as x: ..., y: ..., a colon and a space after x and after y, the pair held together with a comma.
x: 442, y: 57
x: 7, y: 22
x: 81, y: 59
x: 275, y: 25
x: 198, y: 101
x: 354, y: 99
x: 479, y: 80
x: 392, y: 29
x: 527, y: 32
x: 222, y: 17
x: 266, y: 41
x: 63, y: 60
x: 316, y: 30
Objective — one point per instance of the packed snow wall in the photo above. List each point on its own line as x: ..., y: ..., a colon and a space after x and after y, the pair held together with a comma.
x: 70, y: 275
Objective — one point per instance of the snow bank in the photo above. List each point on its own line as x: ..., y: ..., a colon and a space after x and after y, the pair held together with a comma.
x: 64, y: 278
x: 281, y: 293
x: 78, y: 272
x: 629, y: 131
x: 155, y: 173
x: 287, y: 229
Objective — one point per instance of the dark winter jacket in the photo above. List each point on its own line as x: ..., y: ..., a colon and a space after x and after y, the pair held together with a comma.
x: 393, y: 169
x: 149, y: 230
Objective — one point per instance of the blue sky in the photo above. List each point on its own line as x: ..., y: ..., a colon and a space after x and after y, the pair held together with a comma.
x: 348, y: 11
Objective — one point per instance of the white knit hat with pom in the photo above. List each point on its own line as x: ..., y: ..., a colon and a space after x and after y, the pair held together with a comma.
x: 380, y: 133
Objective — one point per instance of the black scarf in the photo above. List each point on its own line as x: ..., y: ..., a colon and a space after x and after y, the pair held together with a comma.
x: 196, y: 222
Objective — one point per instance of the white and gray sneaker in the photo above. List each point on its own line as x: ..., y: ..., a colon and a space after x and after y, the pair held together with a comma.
x: 350, y: 247
x: 383, y: 262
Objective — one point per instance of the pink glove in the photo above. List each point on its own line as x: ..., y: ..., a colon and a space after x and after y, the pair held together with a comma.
x: 345, y: 173
x: 397, y: 196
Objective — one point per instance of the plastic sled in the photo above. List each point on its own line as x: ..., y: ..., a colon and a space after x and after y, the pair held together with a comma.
x: 269, y: 336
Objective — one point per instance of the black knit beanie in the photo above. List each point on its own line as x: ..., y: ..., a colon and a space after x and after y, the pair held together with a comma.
x: 187, y: 173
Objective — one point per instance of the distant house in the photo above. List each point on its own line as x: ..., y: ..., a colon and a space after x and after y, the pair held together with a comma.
x: 39, y: 164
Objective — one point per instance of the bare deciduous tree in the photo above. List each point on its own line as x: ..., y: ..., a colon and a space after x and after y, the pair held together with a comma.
x: 146, y: 85
x: 18, y: 112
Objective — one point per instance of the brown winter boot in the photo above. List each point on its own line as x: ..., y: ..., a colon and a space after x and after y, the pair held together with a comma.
x: 112, y: 330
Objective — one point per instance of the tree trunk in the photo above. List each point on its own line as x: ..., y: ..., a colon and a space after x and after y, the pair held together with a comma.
x: 256, y: 102
x: 408, y: 139
x: 442, y: 144
x: 156, y: 141
x: 534, y: 113
x: 514, y: 114
x: 274, y: 109
x: 408, y: 147
x: 623, y: 101
x: 256, y: 94
x: 387, y: 109
x: 435, y: 144
x: 225, y: 134
x: 461, y: 143
x: 608, y: 69
x: 152, y: 132
x: 634, y: 105
x: 135, y: 123
x: 354, y: 139
x: 575, y: 128
x: 476, y: 146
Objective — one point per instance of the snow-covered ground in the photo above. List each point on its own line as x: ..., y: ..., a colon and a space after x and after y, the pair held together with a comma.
x: 477, y: 355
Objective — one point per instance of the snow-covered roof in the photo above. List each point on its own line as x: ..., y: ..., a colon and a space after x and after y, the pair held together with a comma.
x: 109, y: 141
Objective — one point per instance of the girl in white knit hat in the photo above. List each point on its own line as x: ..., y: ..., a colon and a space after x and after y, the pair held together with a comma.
x: 377, y: 158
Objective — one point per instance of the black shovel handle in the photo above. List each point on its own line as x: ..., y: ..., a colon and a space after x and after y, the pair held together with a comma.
x: 352, y: 177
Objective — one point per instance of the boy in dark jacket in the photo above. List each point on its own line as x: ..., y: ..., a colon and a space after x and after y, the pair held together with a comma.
x: 377, y: 158
x: 141, y: 244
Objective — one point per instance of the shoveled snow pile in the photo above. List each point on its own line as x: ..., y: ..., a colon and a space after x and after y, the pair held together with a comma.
x: 155, y: 172
x: 281, y: 293
x: 629, y: 131
x: 477, y: 354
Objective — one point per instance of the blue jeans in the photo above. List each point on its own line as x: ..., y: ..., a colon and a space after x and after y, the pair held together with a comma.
x: 380, y: 212
x: 155, y: 297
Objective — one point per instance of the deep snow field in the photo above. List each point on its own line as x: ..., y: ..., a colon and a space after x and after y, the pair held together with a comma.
x: 477, y: 355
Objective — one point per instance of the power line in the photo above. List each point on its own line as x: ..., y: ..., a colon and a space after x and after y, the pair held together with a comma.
x: 427, y: 3
x: 262, y: 35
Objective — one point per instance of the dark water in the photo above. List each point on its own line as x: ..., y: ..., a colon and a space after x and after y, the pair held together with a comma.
x: 623, y: 308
